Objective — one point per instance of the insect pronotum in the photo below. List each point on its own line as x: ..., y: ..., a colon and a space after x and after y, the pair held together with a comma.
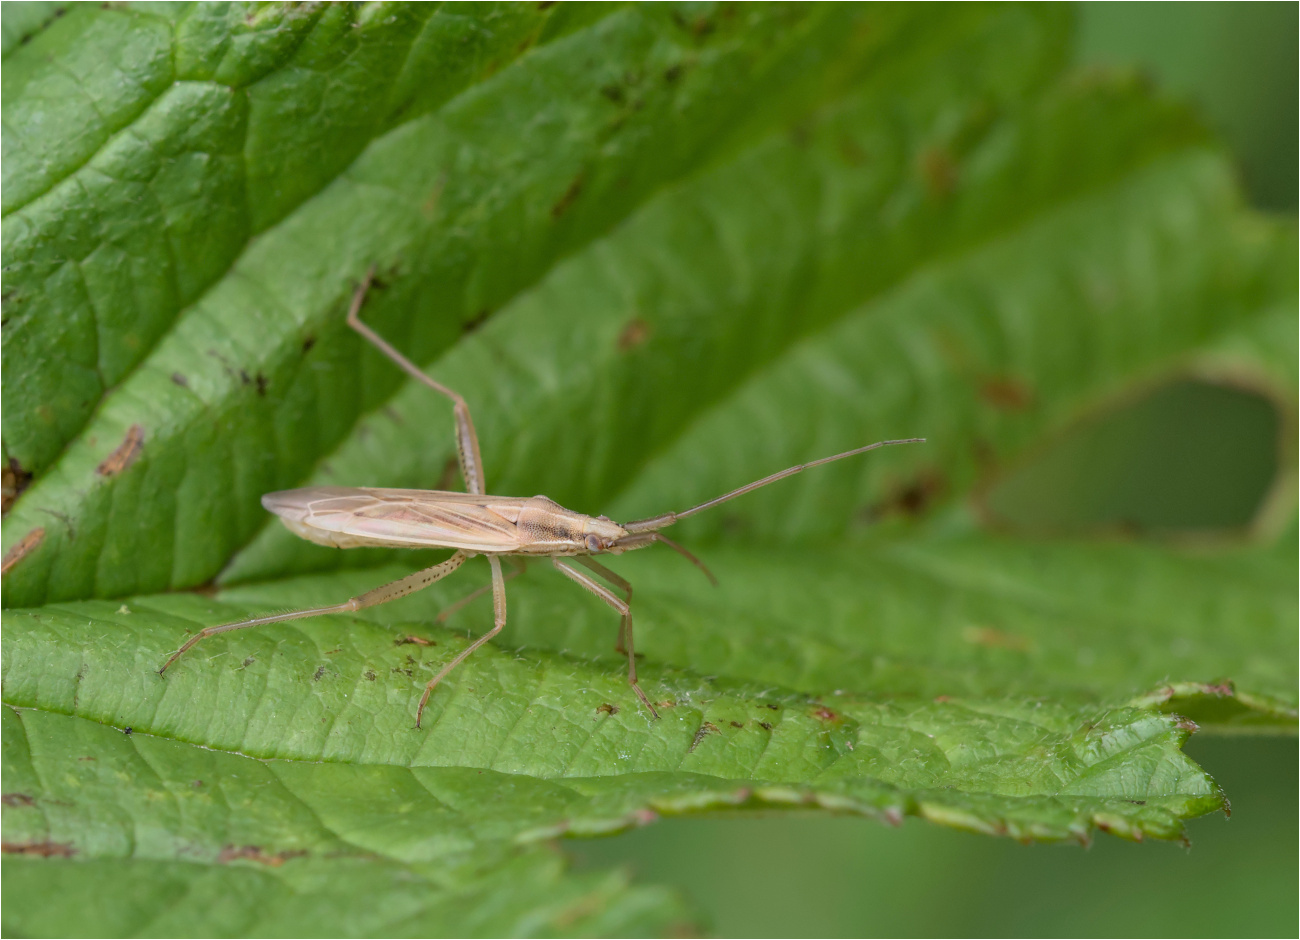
x: 474, y: 523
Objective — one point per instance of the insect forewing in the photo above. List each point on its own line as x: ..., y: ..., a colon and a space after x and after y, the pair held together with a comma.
x: 347, y: 517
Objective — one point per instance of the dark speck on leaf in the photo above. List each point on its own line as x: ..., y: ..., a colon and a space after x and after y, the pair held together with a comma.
x: 704, y: 730
x: 938, y: 172
x: 607, y: 708
x: 370, y: 675
x: 127, y: 730
x: 771, y: 706
x: 307, y: 343
x: 125, y: 454
x: 570, y: 195
x: 911, y: 499
x: 16, y: 479
x: 672, y: 73
x: 1007, y: 393
x: 472, y: 324
x: 765, y: 725
x: 261, y: 384
x: 319, y: 672
x: 636, y: 332
x: 180, y: 380
x: 17, y: 799
x: 737, y: 724
x: 825, y: 714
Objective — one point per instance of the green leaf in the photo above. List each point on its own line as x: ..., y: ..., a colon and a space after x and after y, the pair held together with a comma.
x: 650, y: 291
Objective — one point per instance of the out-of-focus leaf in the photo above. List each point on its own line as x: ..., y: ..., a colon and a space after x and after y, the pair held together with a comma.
x: 650, y: 290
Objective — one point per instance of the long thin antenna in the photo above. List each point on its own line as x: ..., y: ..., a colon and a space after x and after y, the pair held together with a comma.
x: 666, y: 519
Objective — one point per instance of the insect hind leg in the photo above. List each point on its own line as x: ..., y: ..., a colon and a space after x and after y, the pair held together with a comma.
x: 380, y: 595
x: 467, y: 449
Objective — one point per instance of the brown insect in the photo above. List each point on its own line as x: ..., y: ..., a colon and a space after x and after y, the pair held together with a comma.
x: 475, y: 523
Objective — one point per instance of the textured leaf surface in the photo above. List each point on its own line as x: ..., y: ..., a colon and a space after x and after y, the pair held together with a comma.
x: 650, y: 291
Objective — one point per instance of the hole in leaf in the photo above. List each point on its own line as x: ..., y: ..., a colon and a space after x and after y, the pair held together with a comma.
x: 1189, y: 457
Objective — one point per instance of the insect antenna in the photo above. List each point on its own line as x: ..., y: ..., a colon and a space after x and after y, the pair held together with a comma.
x: 645, y: 538
x: 664, y: 520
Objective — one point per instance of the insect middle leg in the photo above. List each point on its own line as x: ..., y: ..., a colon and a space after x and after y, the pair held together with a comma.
x: 380, y: 595
x: 471, y: 461
x: 622, y: 605
x: 517, y: 567
x: 499, y: 621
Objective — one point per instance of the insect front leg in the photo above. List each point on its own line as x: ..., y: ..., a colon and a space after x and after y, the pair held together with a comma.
x: 380, y: 595
x: 467, y: 450
x: 623, y: 606
x: 625, y: 623
x: 499, y: 618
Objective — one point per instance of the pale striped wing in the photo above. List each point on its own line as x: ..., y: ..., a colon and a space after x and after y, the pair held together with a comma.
x: 346, y: 517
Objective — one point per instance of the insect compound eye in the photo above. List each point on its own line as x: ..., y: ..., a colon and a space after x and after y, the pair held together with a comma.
x: 594, y: 544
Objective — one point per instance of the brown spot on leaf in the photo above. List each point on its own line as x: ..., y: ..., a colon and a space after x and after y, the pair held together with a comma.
x: 666, y: 703
x: 737, y: 724
x: 417, y: 640
x: 570, y: 195
x: 125, y: 455
x: 15, y: 480
x: 254, y: 853
x: 179, y: 379
x: 704, y: 730
x: 825, y: 714
x: 369, y: 675
x: 43, y: 849
x: 430, y: 206
x: 260, y: 379
x: 307, y: 343
x: 765, y: 725
x: 1007, y: 393
x: 636, y: 332
x: 938, y: 171
x: 473, y: 323
x: 26, y: 545
x: 852, y: 151
x: 995, y: 639
x: 17, y: 799
x: 319, y: 673
x: 911, y: 499
x: 607, y: 708
x: 672, y: 73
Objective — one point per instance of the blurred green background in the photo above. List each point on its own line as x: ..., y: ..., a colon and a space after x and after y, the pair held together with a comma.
x: 1190, y: 458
